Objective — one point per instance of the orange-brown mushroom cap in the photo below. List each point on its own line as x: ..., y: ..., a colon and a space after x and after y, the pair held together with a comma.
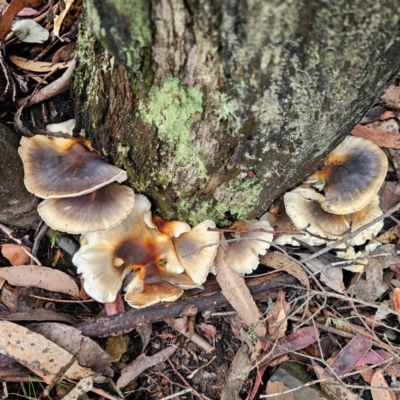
x: 105, y: 258
x: 96, y: 211
x: 143, y: 291
x: 197, y: 250
x: 243, y: 255
x: 170, y: 228
x: 352, y: 175
x: 57, y: 167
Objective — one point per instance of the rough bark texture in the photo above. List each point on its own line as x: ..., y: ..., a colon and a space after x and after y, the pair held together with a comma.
x: 17, y: 205
x: 217, y: 107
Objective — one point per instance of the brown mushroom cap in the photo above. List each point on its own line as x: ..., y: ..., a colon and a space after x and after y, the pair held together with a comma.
x: 197, y: 263
x: 170, y: 228
x: 58, y: 167
x: 96, y: 211
x: 243, y: 255
x: 105, y: 258
x: 280, y: 221
x: 303, y: 206
x: 352, y: 174
x: 147, y: 289
x: 364, y: 217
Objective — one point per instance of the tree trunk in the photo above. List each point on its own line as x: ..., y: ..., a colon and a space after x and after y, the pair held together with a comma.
x: 17, y: 205
x: 217, y: 107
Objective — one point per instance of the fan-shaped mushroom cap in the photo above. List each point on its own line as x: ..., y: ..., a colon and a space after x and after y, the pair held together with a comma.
x: 96, y: 211
x: 243, y: 255
x: 364, y: 217
x: 281, y: 222
x: 170, y: 228
x: 197, y: 263
x: 360, y: 260
x: 353, y: 174
x: 143, y: 291
x: 303, y: 206
x: 59, y: 167
x: 106, y: 257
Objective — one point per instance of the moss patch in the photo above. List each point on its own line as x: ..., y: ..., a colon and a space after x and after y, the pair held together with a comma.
x: 172, y: 109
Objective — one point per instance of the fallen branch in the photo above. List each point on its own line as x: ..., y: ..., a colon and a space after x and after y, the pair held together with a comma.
x: 114, y: 324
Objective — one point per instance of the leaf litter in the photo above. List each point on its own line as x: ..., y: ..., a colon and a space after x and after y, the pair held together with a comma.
x: 289, y: 323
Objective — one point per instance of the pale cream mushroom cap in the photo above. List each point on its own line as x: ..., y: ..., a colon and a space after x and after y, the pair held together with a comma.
x: 280, y: 222
x: 303, y: 206
x: 106, y: 257
x: 360, y: 259
x: 352, y: 175
x: 96, y: 211
x: 197, y: 263
x: 140, y: 294
x: 363, y: 217
x: 170, y: 228
x: 243, y: 255
x: 57, y: 167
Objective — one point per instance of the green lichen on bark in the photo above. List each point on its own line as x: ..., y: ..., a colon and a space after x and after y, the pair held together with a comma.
x: 172, y: 110
x: 123, y: 27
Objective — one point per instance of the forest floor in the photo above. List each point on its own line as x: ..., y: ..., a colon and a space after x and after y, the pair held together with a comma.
x: 326, y: 332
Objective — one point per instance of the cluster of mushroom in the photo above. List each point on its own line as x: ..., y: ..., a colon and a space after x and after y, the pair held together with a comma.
x: 78, y: 185
x: 338, y: 199
x: 119, y: 233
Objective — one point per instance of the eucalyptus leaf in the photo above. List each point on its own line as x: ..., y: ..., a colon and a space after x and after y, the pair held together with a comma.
x: 30, y: 31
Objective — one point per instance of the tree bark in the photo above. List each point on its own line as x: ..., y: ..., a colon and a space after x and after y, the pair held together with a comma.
x: 215, y: 108
x: 17, y: 205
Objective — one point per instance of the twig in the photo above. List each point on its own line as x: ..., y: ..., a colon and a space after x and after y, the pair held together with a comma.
x: 61, y: 300
x: 195, y: 392
x: 172, y: 396
x: 9, y: 232
x: 261, y: 230
x: 58, y: 86
x: 38, y: 238
x: 57, y: 378
x: 210, y: 300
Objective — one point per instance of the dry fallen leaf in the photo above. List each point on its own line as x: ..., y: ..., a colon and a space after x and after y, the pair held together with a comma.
x: 15, y: 254
x: 396, y: 301
x: 300, y: 339
x: 141, y: 363
x: 64, y: 21
x: 29, y: 31
x: 392, y: 94
x: 36, y: 352
x: 349, y: 356
x: 41, y: 277
x: 234, y: 288
x: 380, y: 138
x: 378, y: 380
x: 37, y: 66
x: 280, y: 262
x: 276, y: 318
x: 81, y: 388
x: 338, y: 391
x: 331, y: 277
x: 88, y: 352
